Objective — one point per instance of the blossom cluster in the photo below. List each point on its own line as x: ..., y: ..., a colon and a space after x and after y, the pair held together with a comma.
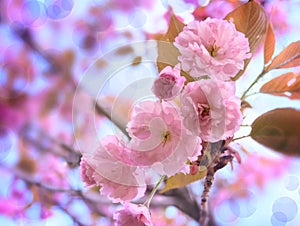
x: 167, y: 134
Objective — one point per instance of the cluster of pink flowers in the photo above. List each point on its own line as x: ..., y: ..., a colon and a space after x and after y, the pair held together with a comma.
x: 167, y: 133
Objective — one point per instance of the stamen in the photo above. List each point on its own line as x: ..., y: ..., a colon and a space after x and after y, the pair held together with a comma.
x: 213, y: 49
x: 167, y: 137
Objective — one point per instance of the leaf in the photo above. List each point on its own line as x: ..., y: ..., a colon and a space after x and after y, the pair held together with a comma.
x: 167, y: 52
x: 289, y: 57
x: 245, y: 105
x: 251, y: 20
x: 181, y: 180
x: 286, y: 85
x: 136, y: 61
x: 269, y: 45
x: 279, y: 130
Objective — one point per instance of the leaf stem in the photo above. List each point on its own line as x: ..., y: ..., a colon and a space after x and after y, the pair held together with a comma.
x: 238, y: 138
x: 148, y: 201
x: 245, y: 125
x: 253, y: 83
x: 251, y: 94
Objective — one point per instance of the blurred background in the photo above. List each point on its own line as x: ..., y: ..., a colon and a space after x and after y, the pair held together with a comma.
x: 67, y: 66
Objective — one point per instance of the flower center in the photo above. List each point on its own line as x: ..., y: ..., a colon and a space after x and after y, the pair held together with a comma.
x: 168, y: 77
x: 213, y: 49
x: 167, y: 137
x: 203, y: 110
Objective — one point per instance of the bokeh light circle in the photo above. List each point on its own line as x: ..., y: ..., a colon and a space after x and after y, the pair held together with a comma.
x: 285, y: 206
x: 58, y: 9
x: 291, y: 183
x: 29, y: 13
x: 278, y: 219
x: 224, y: 213
x: 137, y: 18
x: 243, y: 207
x: 33, y: 13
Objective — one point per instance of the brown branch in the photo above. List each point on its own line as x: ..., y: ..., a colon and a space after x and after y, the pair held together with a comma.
x: 99, y: 109
x: 182, y: 199
x: 45, y: 143
x: 212, y: 154
x: 204, y: 213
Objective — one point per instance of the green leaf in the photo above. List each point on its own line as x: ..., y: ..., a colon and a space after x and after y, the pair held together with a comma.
x: 279, y: 130
x: 251, y: 20
x: 181, y: 180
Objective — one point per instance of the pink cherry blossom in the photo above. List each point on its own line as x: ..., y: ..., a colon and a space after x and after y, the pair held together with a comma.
x: 119, y: 182
x: 169, y: 83
x: 87, y: 173
x: 132, y: 214
x: 212, y: 47
x: 159, y: 138
x: 210, y: 109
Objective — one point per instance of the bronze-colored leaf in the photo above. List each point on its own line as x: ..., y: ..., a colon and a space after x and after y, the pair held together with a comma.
x: 286, y: 85
x: 136, y: 61
x: 251, y: 19
x: 245, y: 104
x: 279, y: 130
x: 269, y: 45
x: 167, y: 52
x: 289, y: 57
x: 123, y: 50
x: 181, y: 180
x: 175, y: 27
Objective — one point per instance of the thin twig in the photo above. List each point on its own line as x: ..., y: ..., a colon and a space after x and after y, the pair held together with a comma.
x: 101, y: 111
x: 74, y: 218
x: 253, y: 83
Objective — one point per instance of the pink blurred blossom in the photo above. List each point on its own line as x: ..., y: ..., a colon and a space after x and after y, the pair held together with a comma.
x: 212, y: 47
x: 278, y: 13
x: 57, y: 176
x: 258, y: 169
x: 18, y: 111
x: 210, y: 109
x: 132, y: 214
x: 255, y: 171
x: 129, y: 5
x: 10, y: 207
x: 215, y: 9
x: 169, y: 83
x: 159, y: 139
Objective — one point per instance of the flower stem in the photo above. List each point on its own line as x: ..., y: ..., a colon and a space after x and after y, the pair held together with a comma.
x: 148, y: 201
x: 253, y: 83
